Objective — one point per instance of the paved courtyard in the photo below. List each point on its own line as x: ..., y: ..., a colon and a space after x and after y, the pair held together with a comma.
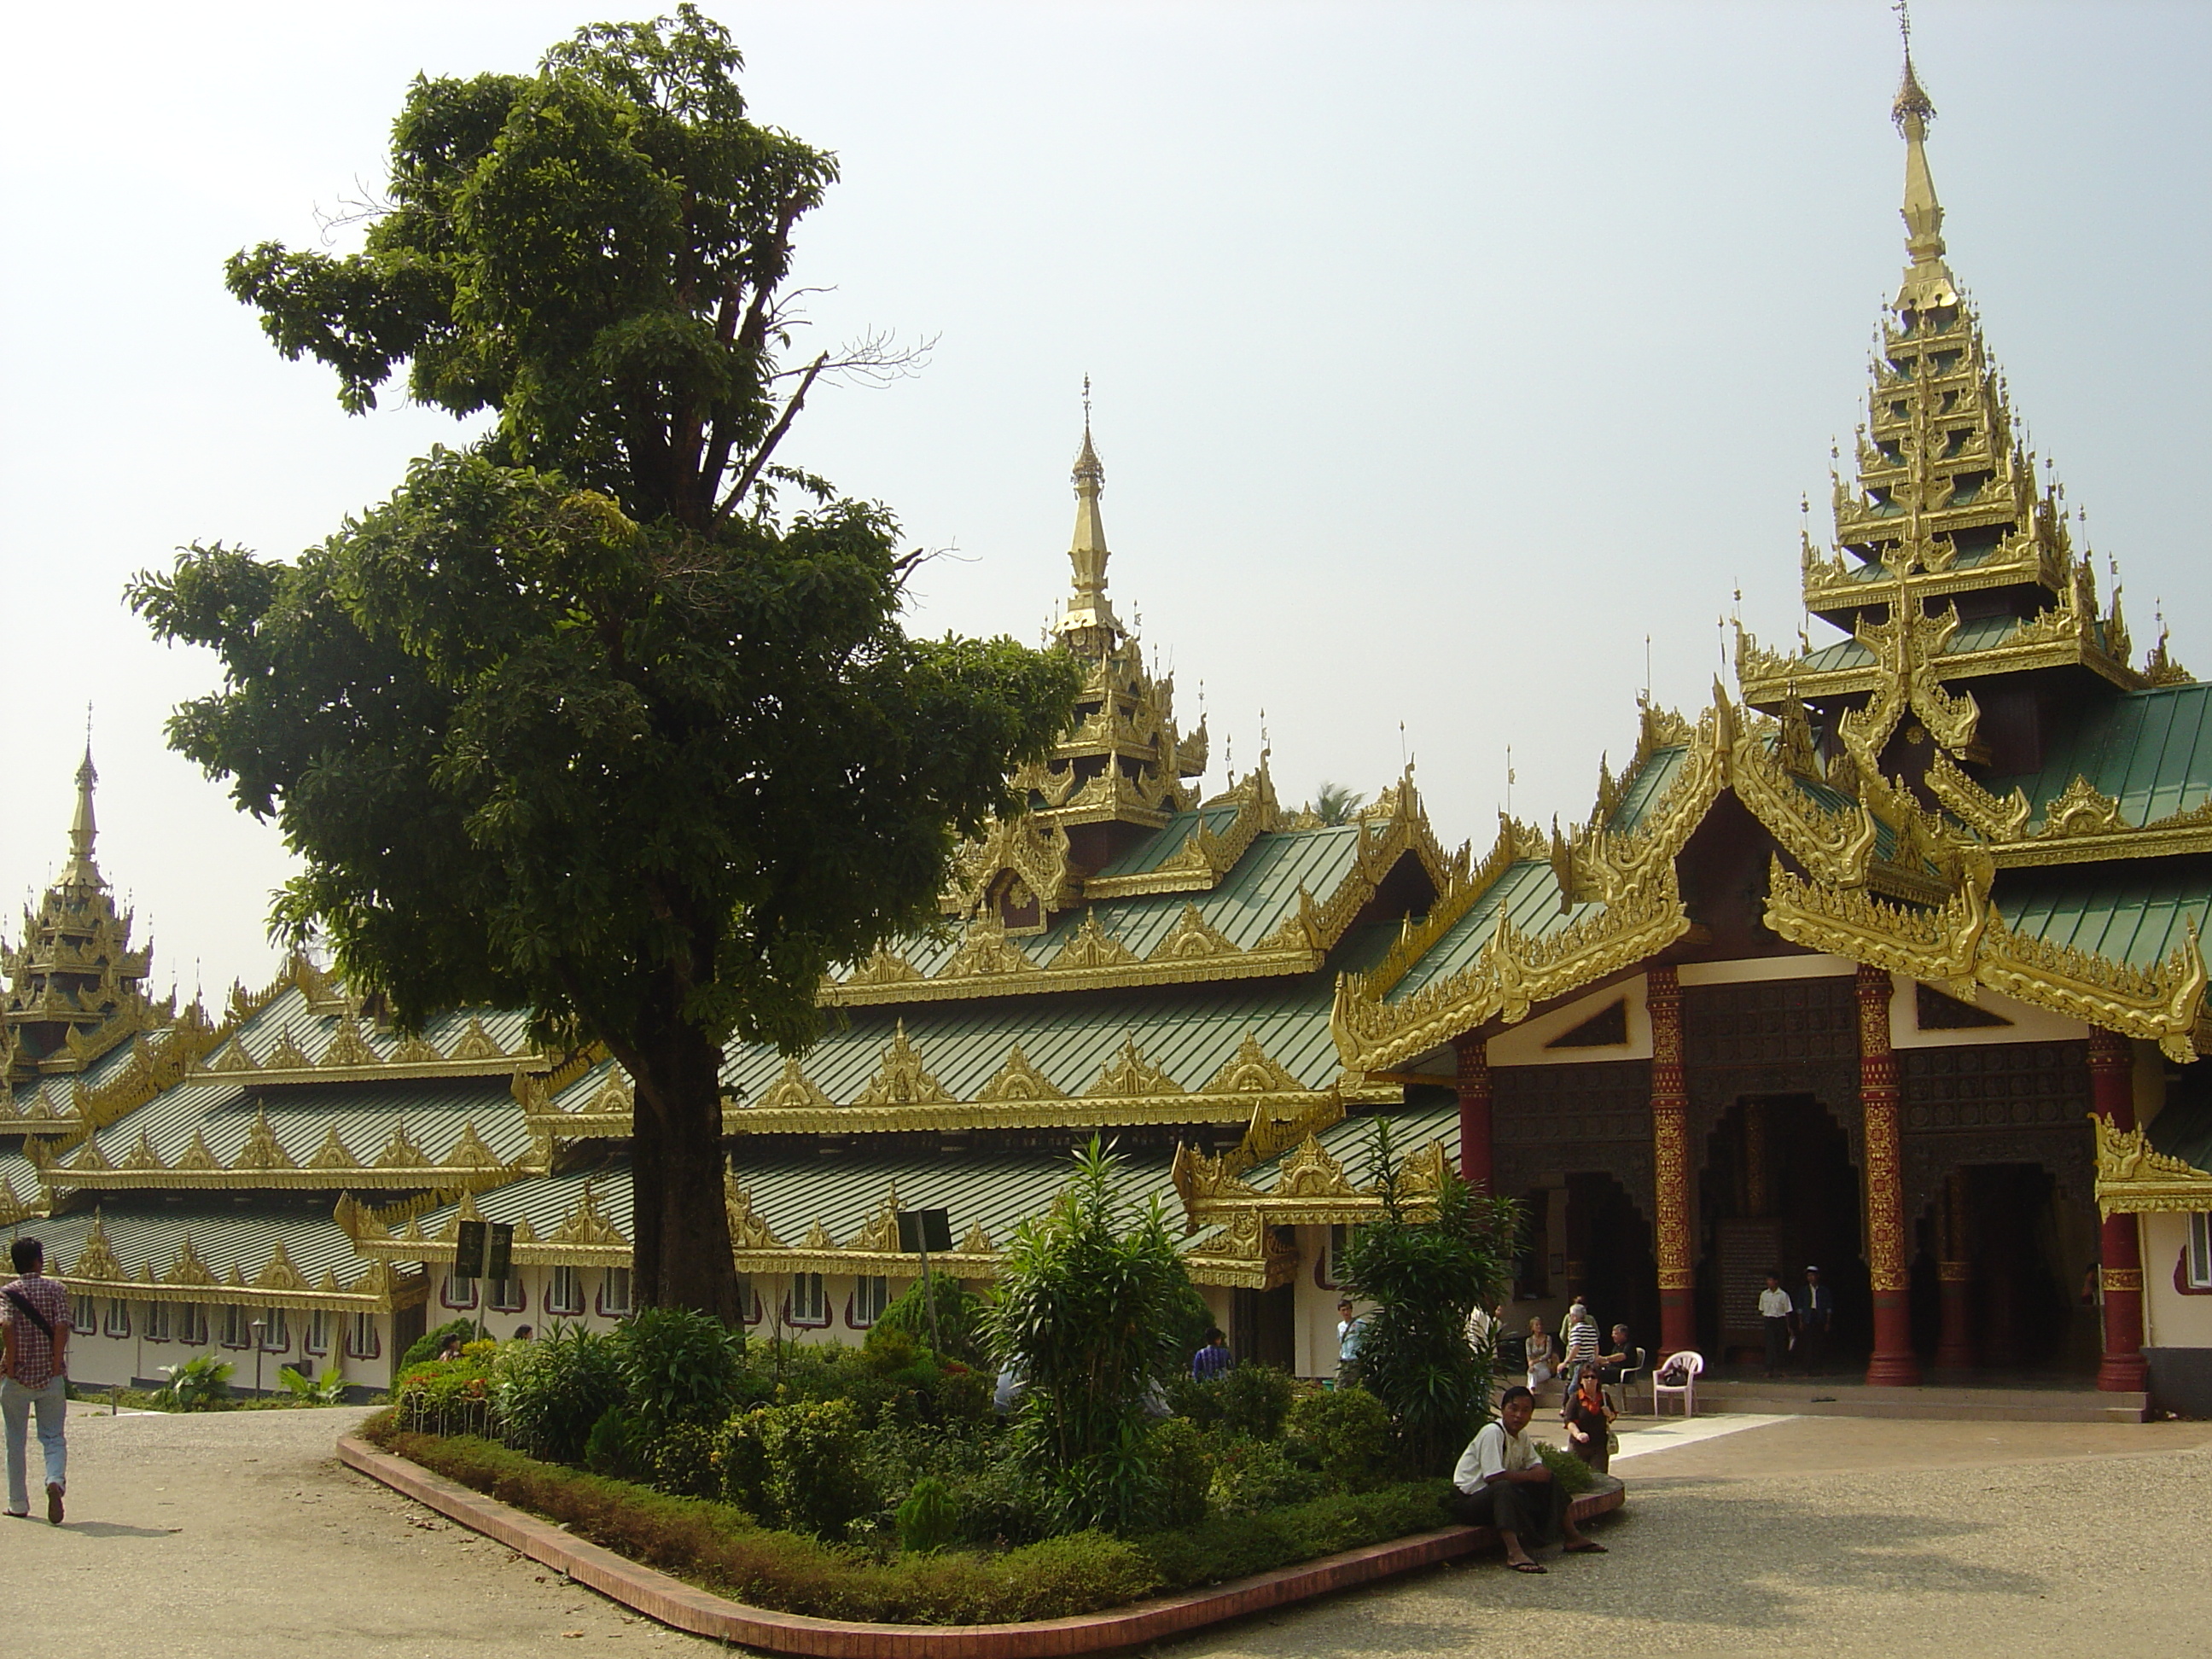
x: 216, y: 1535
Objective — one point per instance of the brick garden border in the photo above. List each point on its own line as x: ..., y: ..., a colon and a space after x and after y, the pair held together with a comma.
x: 672, y: 1601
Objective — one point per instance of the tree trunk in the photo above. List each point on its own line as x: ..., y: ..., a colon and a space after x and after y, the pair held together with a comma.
x: 679, y: 1228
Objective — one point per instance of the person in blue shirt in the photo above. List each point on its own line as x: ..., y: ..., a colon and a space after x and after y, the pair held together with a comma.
x: 1350, y: 1328
x: 1214, y: 1359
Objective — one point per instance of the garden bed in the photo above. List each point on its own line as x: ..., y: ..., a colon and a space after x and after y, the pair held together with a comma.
x: 606, y: 1509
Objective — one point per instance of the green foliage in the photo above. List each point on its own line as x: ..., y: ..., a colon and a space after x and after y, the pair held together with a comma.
x: 446, y: 1397
x: 201, y: 1384
x: 426, y: 1346
x: 1254, y: 1400
x: 1252, y: 1475
x: 1086, y: 1297
x: 959, y: 1333
x: 1235, y: 1546
x: 1573, y: 1475
x: 581, y: 720
x: 328, y: 1389
x: 1423, y: 1268
x: 677, y: 1366
x: 683, y: 1461
x: 1345, y: 1433
x: 741, y: 1457
x: 814, y: 1478
x: 616, y: 1446
x: 552, y: 1392
x: 1336, y: 803
x: 929, y: 1518
x: 1184, y: 1465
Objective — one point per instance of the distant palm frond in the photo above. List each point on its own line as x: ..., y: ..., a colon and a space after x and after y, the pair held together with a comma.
x: 1332, y: 803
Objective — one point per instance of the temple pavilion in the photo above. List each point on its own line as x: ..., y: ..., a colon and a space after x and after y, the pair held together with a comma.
x: 1886, y: 961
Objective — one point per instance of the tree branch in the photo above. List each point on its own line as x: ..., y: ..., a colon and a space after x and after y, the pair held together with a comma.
x: 760, y: 459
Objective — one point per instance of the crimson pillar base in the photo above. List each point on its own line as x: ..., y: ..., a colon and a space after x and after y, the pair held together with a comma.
x: 1678, y: 1323
x: 1895, y: 1365
x: 1954, y: 1349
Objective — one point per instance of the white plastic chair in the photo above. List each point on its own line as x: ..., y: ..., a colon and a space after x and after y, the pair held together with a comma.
x: 1692, y: 1364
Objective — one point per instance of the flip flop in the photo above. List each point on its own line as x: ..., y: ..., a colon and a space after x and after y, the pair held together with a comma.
x: 1588, y: 1547
x: 1527, y: 1566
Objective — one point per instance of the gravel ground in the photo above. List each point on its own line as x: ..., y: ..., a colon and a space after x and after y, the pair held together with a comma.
x: 221, y: 1533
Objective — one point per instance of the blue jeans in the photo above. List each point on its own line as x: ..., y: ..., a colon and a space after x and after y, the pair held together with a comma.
x: 16, y: 1404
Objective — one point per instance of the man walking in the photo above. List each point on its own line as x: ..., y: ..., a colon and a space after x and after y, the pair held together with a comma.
x: 1213, y: 1360
x: 35, y: 1332
x: 1816, y: 1317
x: 1348, y: 1334
x: 1774, y: 1312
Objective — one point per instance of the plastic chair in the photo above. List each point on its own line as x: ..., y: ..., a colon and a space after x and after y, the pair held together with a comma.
x: 1625, y: 1384
x: 1692, y: 1364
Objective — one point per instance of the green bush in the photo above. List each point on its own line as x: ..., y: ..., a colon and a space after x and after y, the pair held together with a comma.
x: 683, y: 1461
x: 1232, y: 1547
x: 1574, y: 1476
x: 197, y: 1385
x: 1198, y: 1399
x: 929, y: 1519
x: 328, y: 1389
x: 1184, y: 1465
x: 1003, y: 1502
x: 1343, y: 1432
x: 959, y: 1333
x: 677, y: 1366
x: 1250, y: 1475
x: 552, y: 1393
x: 741, y: 1456
x: 815, y: 1481
x: 1254, y: 1400
x: 446, y: 1396
x: 616, y: 1446
x: 426, y: 1346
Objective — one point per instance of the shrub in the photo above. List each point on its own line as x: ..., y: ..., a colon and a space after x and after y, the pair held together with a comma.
x: 1184, y: 1467
x: 742, y: 1459
x: 446, y: 1397
x: 1424, y: 1263
x: 1231, y: 1546
x: 1343, y: 1432
x: 814, y: 1478
x: 959, y: 1329
x: 929, y: 1519
x: 1573, y: 1475
x: 328, y: 1389
x: 197, y: 1385
x: 1250, y: 1475
x: 551, y: 1392
x: 1088, y: 1299
x: 1199, y: 1399
x: 616, y: 1446
x: 682, y: 1462
x: 1254, y: 1400
x: 1003, y: 1501
x: 677, y: 1366
x: 426, y: 1346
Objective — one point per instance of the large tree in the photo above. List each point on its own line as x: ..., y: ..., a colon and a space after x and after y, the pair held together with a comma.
x: 590, y: 718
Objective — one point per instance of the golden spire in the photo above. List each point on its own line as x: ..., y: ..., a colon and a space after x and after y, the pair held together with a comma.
x: 1089, y: 624
x: 81, y: 870
x: 1927, y: 282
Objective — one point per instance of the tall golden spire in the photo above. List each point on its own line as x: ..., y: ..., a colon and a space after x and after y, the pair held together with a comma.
x: 1928, y: 282
x: 84, y: 829
x: 1089, y: 624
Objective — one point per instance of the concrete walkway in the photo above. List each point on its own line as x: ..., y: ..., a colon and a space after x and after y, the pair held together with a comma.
x: 218, y: 1535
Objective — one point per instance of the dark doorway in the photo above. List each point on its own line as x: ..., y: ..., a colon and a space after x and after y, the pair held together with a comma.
x: 2018, y: 1242
x: 1779, y: 1194
x: 1264, y: 1327
x: 1610, y: 1261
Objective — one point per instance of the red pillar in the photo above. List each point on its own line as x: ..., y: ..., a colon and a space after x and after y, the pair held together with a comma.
x: 1670, y: 1164
x: 1893, y: 1364
x: 1954, y: 1276
x: 2120, y: 1257
x: 1474, y: 1134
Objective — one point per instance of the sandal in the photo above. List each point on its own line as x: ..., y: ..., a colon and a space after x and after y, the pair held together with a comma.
x: 1588, y: 1547
x: 1527, y: 1566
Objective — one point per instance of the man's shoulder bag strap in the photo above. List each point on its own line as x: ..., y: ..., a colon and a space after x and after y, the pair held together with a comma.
x: 37, y: 1318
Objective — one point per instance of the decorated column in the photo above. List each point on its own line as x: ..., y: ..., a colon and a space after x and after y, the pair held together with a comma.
x: 1892, y: 1363
x: 1474, y: 1133
x: 1954, y: 1278
x: 2119, y: 1255
x: 1670, y: 1164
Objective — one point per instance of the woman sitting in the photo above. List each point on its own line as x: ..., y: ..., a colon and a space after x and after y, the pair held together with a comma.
x: 1588, y: 1420
x: 1542, y: 1362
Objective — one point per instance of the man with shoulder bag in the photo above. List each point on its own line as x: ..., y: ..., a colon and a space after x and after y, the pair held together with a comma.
x: 34, y: 1332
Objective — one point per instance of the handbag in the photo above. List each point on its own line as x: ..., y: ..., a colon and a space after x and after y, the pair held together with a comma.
x: 1612, y: 1443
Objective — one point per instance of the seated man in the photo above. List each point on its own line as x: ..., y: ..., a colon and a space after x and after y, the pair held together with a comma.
x: 1617, y: 1359
x: 1502, y: 1483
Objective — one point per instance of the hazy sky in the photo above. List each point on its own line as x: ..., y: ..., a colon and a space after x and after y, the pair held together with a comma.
x: 1441, y: 352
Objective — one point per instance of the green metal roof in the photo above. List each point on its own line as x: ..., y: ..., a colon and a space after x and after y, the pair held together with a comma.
x: 1643, y: 791
x: 2125, y: 914
x: 147, y: 1232
x: 1150, y: 853
x: 1352, y: 1141
x: 1528, y: 891
x: 2149, y: 750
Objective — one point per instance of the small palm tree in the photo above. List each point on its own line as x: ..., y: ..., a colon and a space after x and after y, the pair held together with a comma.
x: 1334, y: 803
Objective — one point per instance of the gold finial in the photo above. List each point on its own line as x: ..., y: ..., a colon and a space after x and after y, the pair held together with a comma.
x: 1912, y: 102
x: 1927, y: 283
x: 1089, y: 624
x: 84, y: 828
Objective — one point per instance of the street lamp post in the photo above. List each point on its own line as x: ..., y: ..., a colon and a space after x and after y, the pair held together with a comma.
x: 260, y: 1331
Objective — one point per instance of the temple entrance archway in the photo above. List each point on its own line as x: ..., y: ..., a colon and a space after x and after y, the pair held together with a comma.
x: 2002, y: 1256
x: 1777, y: 1194
x: 1582, y: 1234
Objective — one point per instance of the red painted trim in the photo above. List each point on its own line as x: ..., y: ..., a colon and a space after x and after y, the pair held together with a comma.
x: 674, y: 1602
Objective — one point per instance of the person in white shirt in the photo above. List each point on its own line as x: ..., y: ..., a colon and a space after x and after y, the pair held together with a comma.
x: 1774, y: 1312
x: 1503, y: 1484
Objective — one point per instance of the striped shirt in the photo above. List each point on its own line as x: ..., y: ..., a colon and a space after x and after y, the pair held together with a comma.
x: 31, y: 1350
x: 1582, y: 1343
x: 1210, y: 1361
